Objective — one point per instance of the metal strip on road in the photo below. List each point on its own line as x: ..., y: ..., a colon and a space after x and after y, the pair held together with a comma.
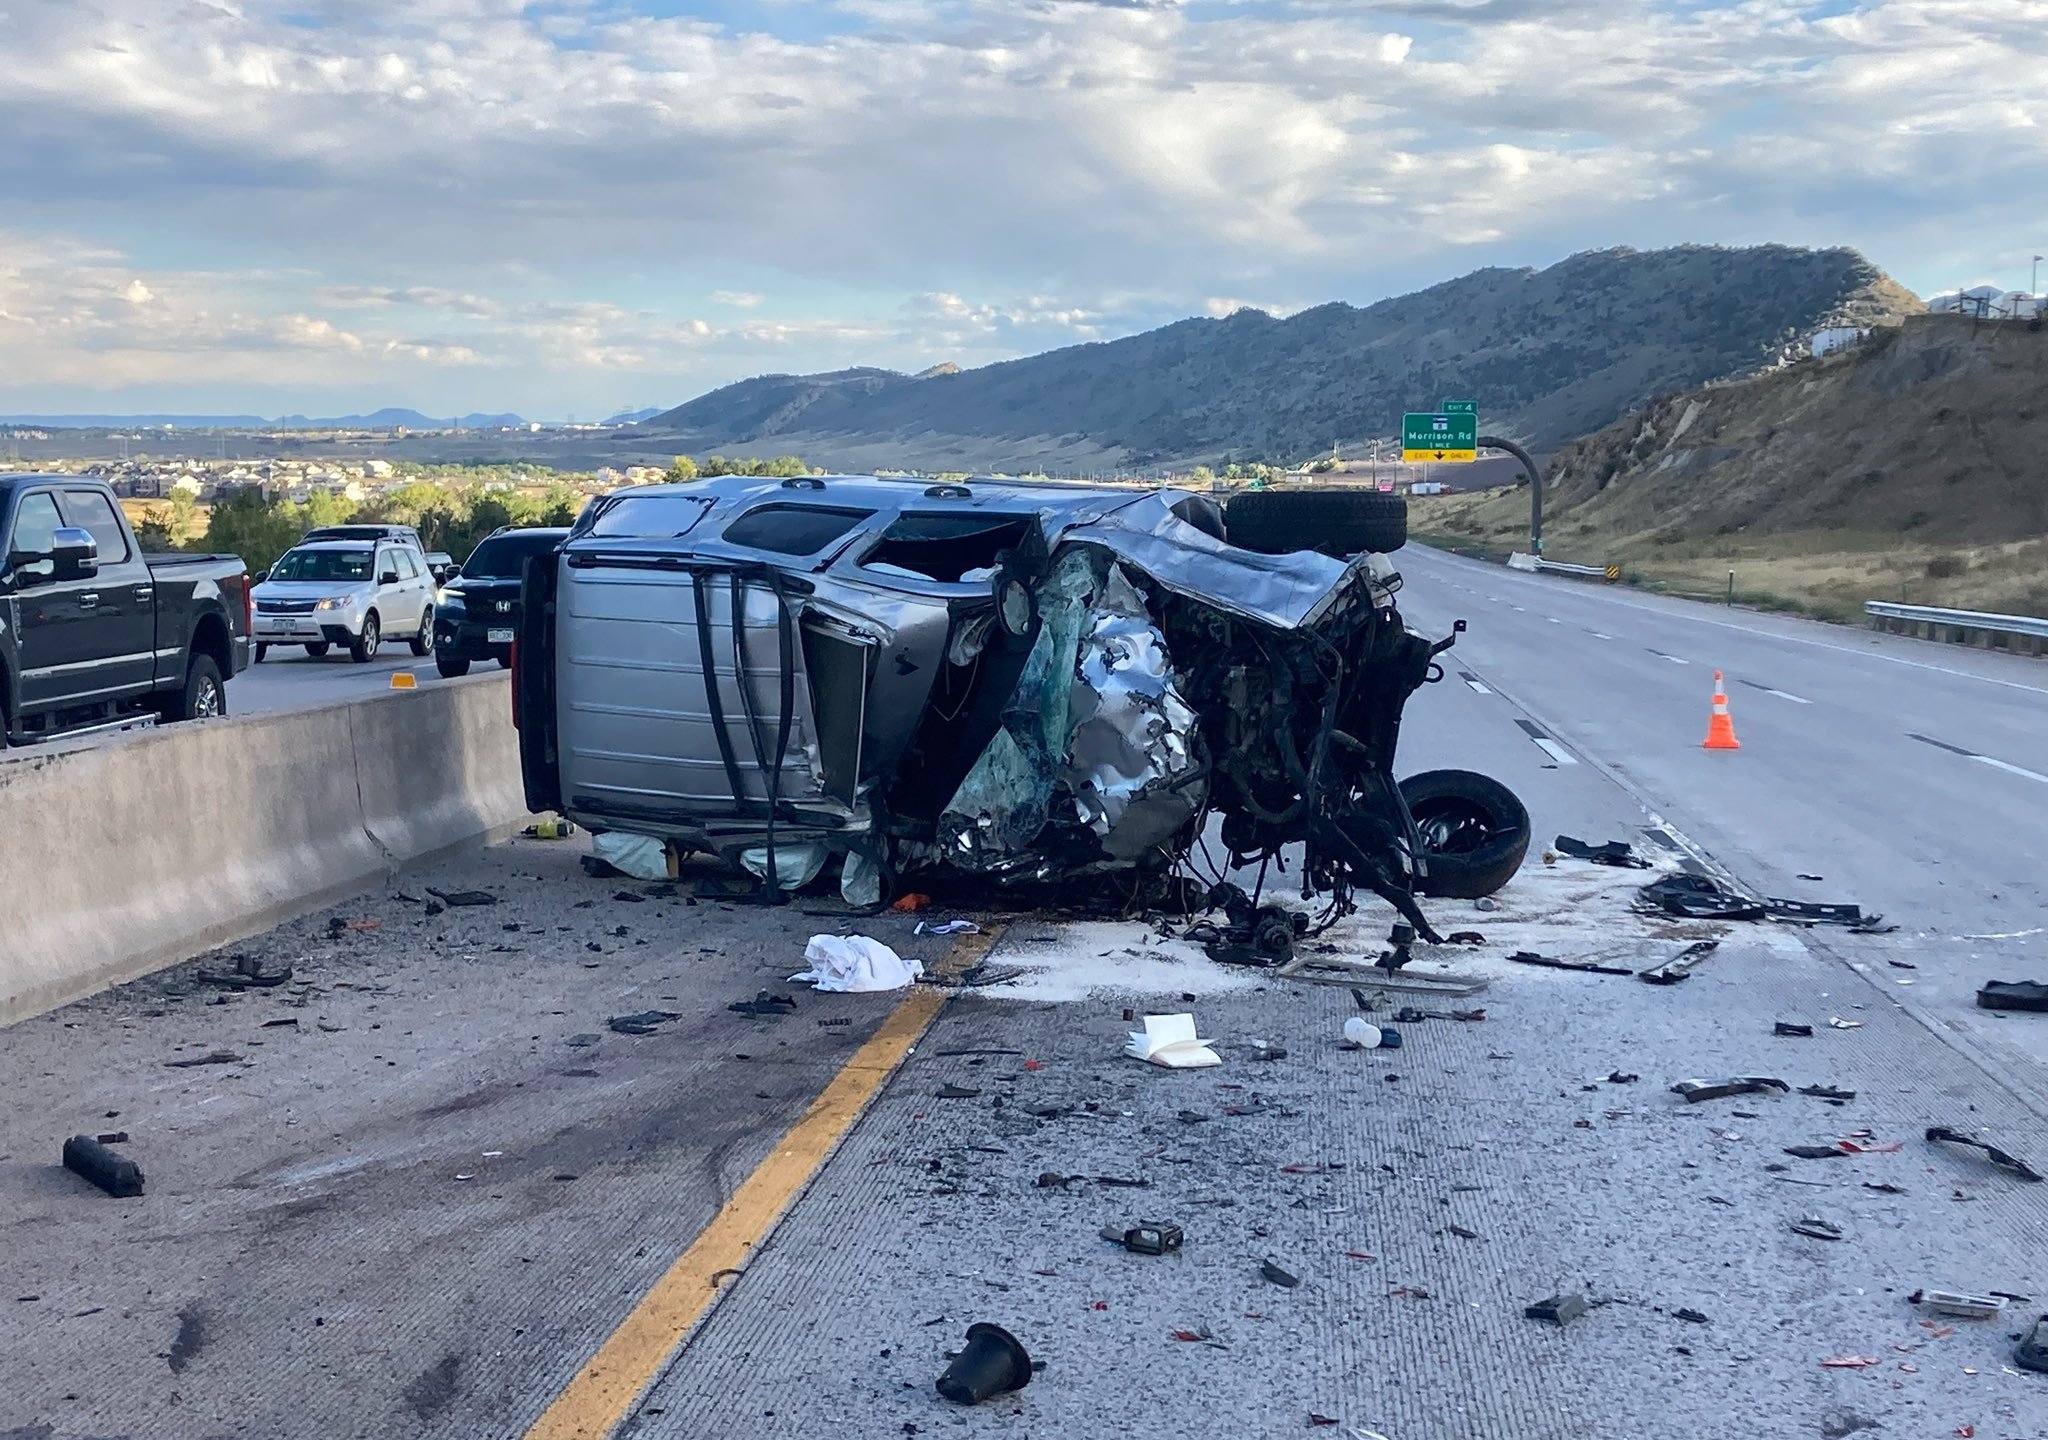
x: 2007, y: 766
x: 605, y: 1390
x: 1546, y: 744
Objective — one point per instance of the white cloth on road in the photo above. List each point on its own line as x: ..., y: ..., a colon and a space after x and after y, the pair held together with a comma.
x: 856, y: 963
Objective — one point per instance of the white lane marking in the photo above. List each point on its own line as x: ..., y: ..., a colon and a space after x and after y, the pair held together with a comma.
x: 2019, y: 770
x: 2008, y: 935
x: 1660, y: 655
x: 1596, y: 635
x: 1517, y: 609
x: 1478, y: 688
x: 1553, y: 619
x: 1786, y: 695
x: 1556, y: 751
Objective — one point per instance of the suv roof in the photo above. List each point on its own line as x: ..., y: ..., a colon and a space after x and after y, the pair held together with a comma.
x: 363, y: 532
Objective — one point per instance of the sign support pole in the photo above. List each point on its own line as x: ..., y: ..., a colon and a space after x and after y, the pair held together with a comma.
x: 1494, y: 442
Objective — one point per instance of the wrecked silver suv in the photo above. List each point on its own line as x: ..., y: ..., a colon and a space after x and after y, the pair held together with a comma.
x: 1027, y: 684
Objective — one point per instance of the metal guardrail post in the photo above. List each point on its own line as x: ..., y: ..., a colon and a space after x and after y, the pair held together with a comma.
x: 1957, y: 627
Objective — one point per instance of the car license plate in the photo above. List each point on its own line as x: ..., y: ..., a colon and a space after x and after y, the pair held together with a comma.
x: 499, y: 635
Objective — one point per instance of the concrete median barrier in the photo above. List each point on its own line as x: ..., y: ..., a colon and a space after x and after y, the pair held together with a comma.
x: 129, y: 856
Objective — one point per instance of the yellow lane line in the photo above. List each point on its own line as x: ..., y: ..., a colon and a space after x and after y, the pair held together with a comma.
x: 604, y: 1391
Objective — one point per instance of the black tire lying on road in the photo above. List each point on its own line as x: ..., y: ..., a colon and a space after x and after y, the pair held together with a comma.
x: 1474, y: 832
x: 1335, y: 522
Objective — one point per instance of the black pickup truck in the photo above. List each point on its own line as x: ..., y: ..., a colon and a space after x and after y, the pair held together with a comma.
x: 94, y: 633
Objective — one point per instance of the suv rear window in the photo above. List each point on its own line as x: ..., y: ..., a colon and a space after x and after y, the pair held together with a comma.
x: 945, y: 547
x: 502, y: 556
x: 643, y: 517
x: 792, y: 529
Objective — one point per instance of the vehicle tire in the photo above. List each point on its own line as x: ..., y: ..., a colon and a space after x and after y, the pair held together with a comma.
x: 205, y: 695
x: 452, y: 667
x: 261, y: 651
x: 1474, y: 832
x: 423, y: 642
x: 318, y: 648
x: 505, y: 662
x: 363, y: 648
x: 1335, y: 522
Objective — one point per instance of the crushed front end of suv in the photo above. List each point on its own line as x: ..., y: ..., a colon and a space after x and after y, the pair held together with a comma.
x: 1030, y: 685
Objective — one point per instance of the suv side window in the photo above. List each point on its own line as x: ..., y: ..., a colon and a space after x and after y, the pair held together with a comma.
x: 35, y: 533
x: 406, y: 569
x: 90, y: 510
x: 383, y: 563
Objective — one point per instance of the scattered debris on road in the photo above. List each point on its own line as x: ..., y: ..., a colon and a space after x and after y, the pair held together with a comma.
x: 1849, y: 1362
x: 1530, y: 957
x: 1826, y: 1092
x: 2013, y: 995
x: 1786, y: 1027
x: 456, y: 899
x: 1170, y: 1041
x: 213, y: 1057
x: 855, y: 964
x: 116, y: 1174
x: 1615, y: 852
x: 1817, y: 1228
x: 992, y: 1363
x: 1147, y: 1237
x: 1681, y: 965
x: 1946, y: 1135
x: 1273, y: 1275
x: 247, y: 974
x: 1701, y: 897
x: 765, y: 1003
x: 1958, y: 1304
x: 2032, y: 1351
x: 643, y: 1023
x: 1557, y: 1309
x: 1695, y: 1091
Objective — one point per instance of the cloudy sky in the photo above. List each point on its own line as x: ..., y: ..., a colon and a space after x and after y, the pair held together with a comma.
x: 572, y: 207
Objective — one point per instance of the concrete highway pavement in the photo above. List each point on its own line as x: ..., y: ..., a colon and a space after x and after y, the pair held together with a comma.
x: 1913, y: 776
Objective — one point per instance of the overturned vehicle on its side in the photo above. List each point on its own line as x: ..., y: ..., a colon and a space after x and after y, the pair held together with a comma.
x: 1035, y: 685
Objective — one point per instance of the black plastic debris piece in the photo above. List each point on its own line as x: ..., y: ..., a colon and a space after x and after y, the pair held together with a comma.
x: 116, y: 1174
x: 992, y: 1363
x: 1464, y: 937
x: 764, y: 1003
x: 291, y: 1020
x: 1902, y: 964
x: 1680, y: 966
x: 2032, y: 1351
x: 1696, y: 897
x: 1622, y: 1077
x: 214, y: 1057
x: 1462, y: 1233
x: 1123, y: 1182
x: 1816, y: 1228
x: 1695, y: 1091
x: 1786, y: 1027
x: 600, y: 869
x: 1273, y: 1275
x: 1696, y: 1317
x: 956, y: 1092
x: 1558, y: 1309
x: 1815, y: 1152
x: 1812, y: 877
x: 1530, y: 957
x: 1946, y: 1135
x: 459, y: 898
x: 1052, y: 1180
x: 643, y: 1023
x: 629, y: 897
x: 1826, y: 1092
x: 1192, y: 1117
x: 247, y: 975
x: 1147, y: 1237
x: 113, y: 1137
x: 2013, y: 995
x: 1618, y: 853
x: 1269, y: 1052
x: 1883, y: 1188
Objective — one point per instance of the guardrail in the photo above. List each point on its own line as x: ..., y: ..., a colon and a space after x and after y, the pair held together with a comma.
x: 2022, y: 634
x: 1520, y: 561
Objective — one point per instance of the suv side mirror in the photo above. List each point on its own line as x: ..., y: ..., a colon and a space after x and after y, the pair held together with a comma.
x: 389, y: 577
x: 450, y: 572
x: 259, y: 577
x: 74, y: 554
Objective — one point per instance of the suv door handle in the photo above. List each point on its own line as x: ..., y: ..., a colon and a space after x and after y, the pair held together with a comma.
x: 89, y: 601
x: 145, y: 592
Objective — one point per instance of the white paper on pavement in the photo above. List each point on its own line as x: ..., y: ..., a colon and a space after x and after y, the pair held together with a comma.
x: 1170, y: 1040
x: 856, y: 963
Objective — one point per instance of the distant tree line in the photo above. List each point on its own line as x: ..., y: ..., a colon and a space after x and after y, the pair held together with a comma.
x: 782, y: 466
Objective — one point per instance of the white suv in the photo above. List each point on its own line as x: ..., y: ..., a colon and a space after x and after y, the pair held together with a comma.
x: 346, y: 592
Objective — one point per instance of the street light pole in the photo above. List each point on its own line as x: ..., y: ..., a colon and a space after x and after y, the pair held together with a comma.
x: 1494, y: 442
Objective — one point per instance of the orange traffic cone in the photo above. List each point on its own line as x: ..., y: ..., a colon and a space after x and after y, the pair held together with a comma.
x: 1720, y: 729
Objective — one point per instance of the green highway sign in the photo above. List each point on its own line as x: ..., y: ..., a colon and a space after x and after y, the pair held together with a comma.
x: 1461, y: 407
x: 1439, y: 437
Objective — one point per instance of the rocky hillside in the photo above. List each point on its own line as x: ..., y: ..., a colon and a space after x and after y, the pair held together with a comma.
x: 1909, y: 464
x: 1548, y: 354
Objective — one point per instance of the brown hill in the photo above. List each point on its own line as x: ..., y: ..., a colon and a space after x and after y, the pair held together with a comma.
x: 1548, y: 354
x: 1915, y: 463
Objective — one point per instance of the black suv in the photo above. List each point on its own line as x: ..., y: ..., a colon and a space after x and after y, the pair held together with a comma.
x: 477, y: 612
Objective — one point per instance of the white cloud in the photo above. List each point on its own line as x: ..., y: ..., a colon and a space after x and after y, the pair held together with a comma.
x: 467, y: 185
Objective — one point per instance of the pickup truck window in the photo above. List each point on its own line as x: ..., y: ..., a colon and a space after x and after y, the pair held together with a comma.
x: 35, y: 533
x: 348, y: 565
x: 92, y: 511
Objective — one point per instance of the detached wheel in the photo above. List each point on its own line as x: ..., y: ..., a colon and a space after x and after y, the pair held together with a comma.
x: 204, y: 695
x: 452, y: 667
x: 1334, y: 522
x: 1474, y: 832
x: 364, y: 647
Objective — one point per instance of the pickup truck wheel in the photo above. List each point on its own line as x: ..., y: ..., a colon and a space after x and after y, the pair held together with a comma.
x: 1474, y: 832
x: 203, y: 697
x: 423, y: 642
x: 1336, y: 522
x: 364, y: 647
x: 317, y: 649
x: 452, y: 667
